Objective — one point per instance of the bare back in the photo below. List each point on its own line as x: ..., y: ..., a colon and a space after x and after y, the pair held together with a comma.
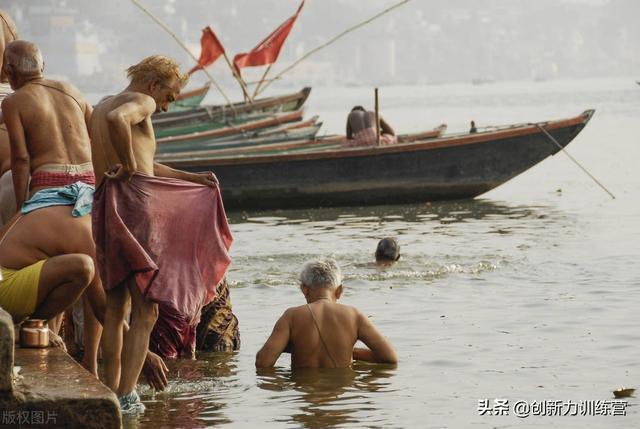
x: 42, y: 234
x: 359, y: 120
x: 327, y: 344
x: 54, y: 117
x: 103, y: 138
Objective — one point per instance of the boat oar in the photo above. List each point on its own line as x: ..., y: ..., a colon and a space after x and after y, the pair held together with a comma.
x: 183, y: 46
x: 377, y: 117
x: 573, y: 159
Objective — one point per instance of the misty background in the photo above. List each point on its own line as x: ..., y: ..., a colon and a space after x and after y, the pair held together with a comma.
x: 91, y: 43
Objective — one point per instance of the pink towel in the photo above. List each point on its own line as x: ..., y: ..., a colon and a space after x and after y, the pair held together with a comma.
x: 171, y: 235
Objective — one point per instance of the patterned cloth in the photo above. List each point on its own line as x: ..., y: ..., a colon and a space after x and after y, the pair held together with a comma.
x: 368, y: 137
x: 51, y: 175
x: 218, y: 328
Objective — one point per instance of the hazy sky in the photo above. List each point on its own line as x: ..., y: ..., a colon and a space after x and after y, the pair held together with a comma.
x: 424, y: 41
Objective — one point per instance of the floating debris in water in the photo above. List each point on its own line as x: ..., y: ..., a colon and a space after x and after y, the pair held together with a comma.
x: 623, y: 392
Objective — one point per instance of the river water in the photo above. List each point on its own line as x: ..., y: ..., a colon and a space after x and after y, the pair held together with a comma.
x: 528, y: 293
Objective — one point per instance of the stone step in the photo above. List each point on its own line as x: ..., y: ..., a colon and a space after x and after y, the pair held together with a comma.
x: 58, y: 392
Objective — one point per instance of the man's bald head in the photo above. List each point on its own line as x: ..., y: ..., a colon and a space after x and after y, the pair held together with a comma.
x: 24, y: 57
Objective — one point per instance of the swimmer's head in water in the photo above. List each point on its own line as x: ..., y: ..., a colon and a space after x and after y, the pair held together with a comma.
x: 388, y: 250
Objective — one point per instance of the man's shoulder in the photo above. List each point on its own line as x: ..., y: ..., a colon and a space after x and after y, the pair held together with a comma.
x: 125, y: 97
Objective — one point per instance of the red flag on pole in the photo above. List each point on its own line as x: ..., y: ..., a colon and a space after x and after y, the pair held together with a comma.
x: 268, y: 50
x: 210, y: 51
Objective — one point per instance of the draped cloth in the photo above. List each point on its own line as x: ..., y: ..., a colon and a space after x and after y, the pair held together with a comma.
x: 172, y: 238
x: 218, y: 329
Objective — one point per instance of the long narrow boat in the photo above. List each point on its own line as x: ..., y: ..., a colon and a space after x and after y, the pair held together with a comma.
x: 451, y: 167
x: 285, y: 132
x: 266, y: 143
x: 221, y: 113
x: 269, y: 121
x: 243, y: 145
x: 189, y: 99
x: 203, y: 127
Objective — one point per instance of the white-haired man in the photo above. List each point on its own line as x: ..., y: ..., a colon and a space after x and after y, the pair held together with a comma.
x: 322, y: 333
x: 47, y: 124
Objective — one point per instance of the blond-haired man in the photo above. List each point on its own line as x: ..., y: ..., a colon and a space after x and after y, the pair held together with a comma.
x: 161, y: 234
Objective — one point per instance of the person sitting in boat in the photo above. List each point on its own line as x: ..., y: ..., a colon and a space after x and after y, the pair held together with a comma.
x: 388, y: 251
x: 361, y: 129
x: 322, y: 333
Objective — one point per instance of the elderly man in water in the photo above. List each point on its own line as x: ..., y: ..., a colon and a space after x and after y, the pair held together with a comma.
x: 322, y: 333
x: 161, y: 234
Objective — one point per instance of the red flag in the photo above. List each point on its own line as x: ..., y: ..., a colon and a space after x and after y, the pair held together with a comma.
x: 210, y: 51
x: 268, y: 50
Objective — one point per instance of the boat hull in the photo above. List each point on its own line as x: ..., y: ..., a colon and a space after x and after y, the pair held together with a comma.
x: 446, y: 168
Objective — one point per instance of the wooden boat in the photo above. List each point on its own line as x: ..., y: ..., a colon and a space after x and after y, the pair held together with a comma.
x: 265, y: 143
x: 214, y: 115
x: 285, y: 132
x: 269, y: 121
x: 450, y: 167
x: 243, y: 145
x: 186, y: 129
x: 190, y: 99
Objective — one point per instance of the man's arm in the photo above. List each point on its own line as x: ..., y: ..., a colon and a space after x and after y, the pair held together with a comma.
x: 88, y: 111
x: 20, y: 160
x: 276, y: 344
x: 349, y: 129
x: 206, y: 178
x: 120, y: 121
x: 385, y: 128
x: 381, y: 350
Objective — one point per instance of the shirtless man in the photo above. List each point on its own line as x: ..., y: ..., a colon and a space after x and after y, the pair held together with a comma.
x: 45, y: 262
x: 361, y: 129
x: 122, y: 137
x: 8, y: 33
x: 47, y: 124
x: 322, y: 333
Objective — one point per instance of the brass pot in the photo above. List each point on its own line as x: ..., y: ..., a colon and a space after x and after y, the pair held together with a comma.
x: 34, y: 333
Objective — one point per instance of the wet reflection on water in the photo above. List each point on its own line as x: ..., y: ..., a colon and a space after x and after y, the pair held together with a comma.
x: 326, y: 397
x: 442, y: 211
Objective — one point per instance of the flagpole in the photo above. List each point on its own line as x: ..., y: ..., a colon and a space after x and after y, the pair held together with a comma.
x: 348, y: 30
x: 181, y: 43
x: 264, y: 75
x: 239, y: 78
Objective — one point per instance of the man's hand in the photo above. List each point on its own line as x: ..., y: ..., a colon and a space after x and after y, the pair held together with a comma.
x: 207, y: 178
x: 120, y: 173
x: 155, y: 371
x: 56, y: 341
